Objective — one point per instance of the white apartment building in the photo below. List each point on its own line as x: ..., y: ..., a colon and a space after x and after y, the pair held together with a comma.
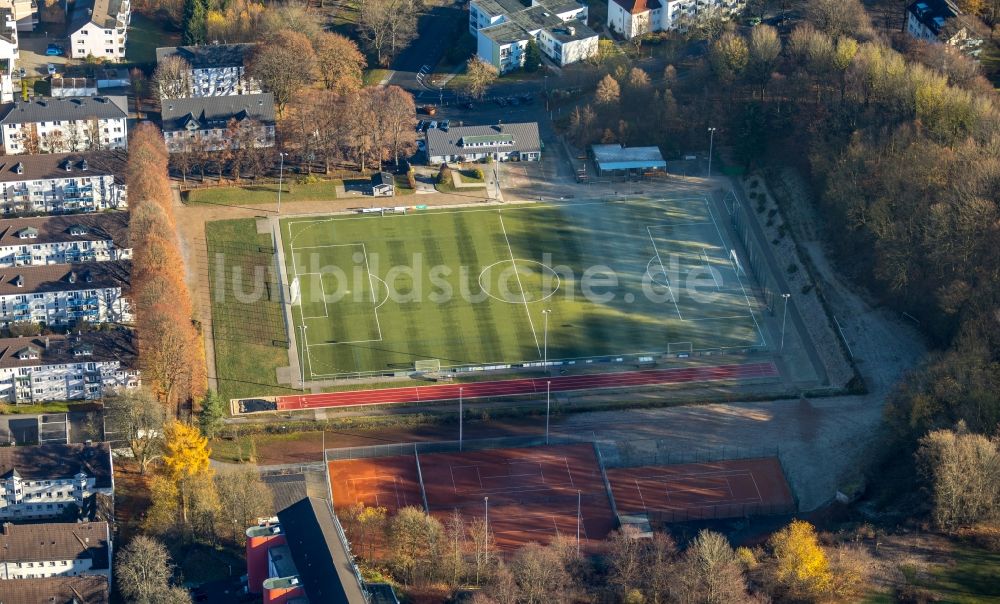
x: 63, y: 294
x: 99, y: 29
x: 632, y: 18
x: 63, y: 549
x: 41, y: 481
x: 62, y: 183
x: 503, y: 29
x: 216, y: 69
x: 943, y: 22
x: 9, y: 53
x: 65, y: 124
x: 84, y: 366
x: 190, y: 122
x: 64, y: 239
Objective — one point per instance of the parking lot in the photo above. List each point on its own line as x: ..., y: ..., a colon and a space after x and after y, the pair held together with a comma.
x: 32, y: 53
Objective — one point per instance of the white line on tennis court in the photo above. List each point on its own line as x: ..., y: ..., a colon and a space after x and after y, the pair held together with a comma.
x: 518, y: 275
x: 662, y: 268
x: 638, y: 489
x: 722, y: 240
x: 756, y: 488
x: 569, y: 473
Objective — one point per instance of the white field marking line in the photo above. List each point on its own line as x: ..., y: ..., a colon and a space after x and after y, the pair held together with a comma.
x: 638, y: 489
x: 664, y: 270
x: 569, y: 473
x: 371, y: 285
x: 722, y: 240
x: 518, y: 275
x: 525, y: 206
x: 756, y: 488
x: 711, y: 270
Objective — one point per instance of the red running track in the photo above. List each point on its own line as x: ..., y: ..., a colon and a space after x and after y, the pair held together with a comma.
x: 446, y: 392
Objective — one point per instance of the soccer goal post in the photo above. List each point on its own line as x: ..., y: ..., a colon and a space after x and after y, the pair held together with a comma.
x: 679, y: 348
x: 294, y: 292
x: 427, y: 366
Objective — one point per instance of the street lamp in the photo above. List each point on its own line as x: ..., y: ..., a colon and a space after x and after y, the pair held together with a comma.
x: 711, y: 141
x: 784, y: 316
x: 281, y: 172
x: 459, y: 419
x: 486, y: 521
x: 545, y: 339
x: 578, y: 522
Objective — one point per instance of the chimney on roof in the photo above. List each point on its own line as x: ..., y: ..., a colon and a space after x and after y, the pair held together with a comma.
x: 46, y: 342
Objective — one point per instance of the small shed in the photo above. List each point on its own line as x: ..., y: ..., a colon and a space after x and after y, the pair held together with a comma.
x: 383, y: 184
x: 615, y: 159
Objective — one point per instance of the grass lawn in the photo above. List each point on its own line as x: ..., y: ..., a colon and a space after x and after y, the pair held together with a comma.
x: 970, y: 576
x: 247, y: 323
x: 374, y: 76
x: 145, y: 35
x: 469, y: 287
x: 265, y: 193
x: 403, y: 185
x: 53, y: 407
x: 469, y: 175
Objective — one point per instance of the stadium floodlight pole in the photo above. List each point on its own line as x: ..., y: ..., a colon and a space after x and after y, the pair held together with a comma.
x: 302, y: 356
x: 711, y: 141
x: 459, y: 419
x: 784, y: 316
x: 548, y: 391
x: 578, y: 522
x: 486, y: 503
x: 545, y: 340
x: 281, y: 173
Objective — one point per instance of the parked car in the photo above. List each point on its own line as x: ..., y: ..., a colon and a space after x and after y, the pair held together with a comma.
x: 51, y: 69
x: 469, y: 105
x: 433, y: 124
x: 21, y: 72
x: 444, y: 124
x: 421, y: 126
x: 54, y: 50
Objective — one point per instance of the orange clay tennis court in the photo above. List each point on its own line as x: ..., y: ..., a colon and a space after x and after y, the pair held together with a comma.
x: 702, y: 490
x: 532, y: 494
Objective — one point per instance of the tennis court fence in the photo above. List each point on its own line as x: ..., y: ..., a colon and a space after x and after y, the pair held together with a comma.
x: 449, y: 446
x: 662, y: 452
x: 717, y: 512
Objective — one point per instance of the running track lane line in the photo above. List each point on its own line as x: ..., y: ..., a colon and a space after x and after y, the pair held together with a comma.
x: 445, y: 392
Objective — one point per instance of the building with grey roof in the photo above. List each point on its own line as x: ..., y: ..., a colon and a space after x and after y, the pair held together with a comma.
x: 504, y: 28
x: 99, y: 29
x: 62, y: 183
x: 65, y: 294
x: 34, y: 477
x: 611, y: 159
x: 502, y: 142
x: 65, y: 124
x: 216, y: 69
x: 206, y: 121
x: 67, y: 549
x: 57, y: 590
x: 63, y: 239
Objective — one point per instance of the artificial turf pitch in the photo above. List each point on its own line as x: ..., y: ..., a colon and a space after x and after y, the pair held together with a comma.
x: 377, y: 293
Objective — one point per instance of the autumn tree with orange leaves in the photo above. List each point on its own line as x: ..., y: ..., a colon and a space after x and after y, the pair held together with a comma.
x: 171, y: 352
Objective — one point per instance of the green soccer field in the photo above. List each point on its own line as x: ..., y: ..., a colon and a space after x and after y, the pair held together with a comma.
x: 496, y: 286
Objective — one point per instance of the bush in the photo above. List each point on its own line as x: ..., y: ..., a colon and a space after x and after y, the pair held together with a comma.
x: 444, y: 175
x: 309, y: 179
x: 24, y: 328
x: 411, y: 179
x: 478, y: 173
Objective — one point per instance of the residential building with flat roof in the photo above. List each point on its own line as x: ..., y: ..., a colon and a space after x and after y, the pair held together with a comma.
x: 58, y: 549
x: 612, y: 159
x: 503, y: 29
x: 502, y: 142
x: 62, y: 183
x: 64, y: 124
x: 218, y: 122
x: 64, y: 239
x: 216, y: 69
x: 42, y: 481
x: 99, y: 29
x: 943, y: 22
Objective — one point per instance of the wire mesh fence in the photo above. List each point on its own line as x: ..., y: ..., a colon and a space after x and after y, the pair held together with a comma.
x: 450, y: 446
x: 665, y: 452
x: 718, y: 512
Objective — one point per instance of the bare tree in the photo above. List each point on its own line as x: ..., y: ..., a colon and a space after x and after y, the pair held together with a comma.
x: 172, y: 78
x: 480, y: 75
x: 396, y: 115
x: 143, y: 569
x: 387, y: 26
x: 283, y: 63
x: 963, y: 471
x: 292, y: 16
x: 134, y: 416
x: 242, y: 499
x: 540, y: 575
x: 711, y: 573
